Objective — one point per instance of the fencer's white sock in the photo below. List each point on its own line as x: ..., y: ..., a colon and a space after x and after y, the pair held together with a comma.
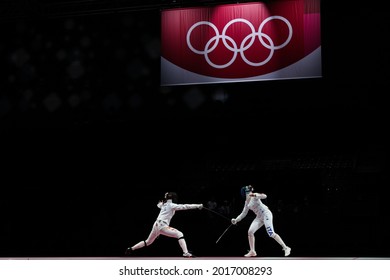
x: 280, y: 241
x: 183, y: 245
x: 251, y: 239
x: 139, y: 245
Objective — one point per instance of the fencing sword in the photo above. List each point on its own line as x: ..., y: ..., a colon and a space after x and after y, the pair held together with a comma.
x: 219, y: 214
x: 215, y: 212
x: 223, y: 233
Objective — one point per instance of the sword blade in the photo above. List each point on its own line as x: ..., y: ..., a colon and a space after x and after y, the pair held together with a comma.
x: 223, y: 233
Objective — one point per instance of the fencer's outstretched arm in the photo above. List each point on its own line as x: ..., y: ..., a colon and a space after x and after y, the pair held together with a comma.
x: 179, y: 207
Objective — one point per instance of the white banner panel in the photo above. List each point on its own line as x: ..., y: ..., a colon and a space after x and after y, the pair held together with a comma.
x: 195, y: 268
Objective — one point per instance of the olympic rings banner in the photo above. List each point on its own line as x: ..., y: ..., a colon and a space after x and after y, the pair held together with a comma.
x: 241, y: 42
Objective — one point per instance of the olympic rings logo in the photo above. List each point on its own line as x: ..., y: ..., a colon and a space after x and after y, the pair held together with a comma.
x: 246, y: 43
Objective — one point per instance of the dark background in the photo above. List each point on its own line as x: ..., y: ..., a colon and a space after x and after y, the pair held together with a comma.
x: 90, y: 141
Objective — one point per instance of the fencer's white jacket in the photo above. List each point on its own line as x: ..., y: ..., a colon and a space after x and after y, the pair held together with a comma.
x: 168, y: 210
x: 255, y: 204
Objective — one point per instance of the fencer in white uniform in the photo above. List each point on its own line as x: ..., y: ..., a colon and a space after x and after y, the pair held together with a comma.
x: 161, y: 225
x: 263, y: 217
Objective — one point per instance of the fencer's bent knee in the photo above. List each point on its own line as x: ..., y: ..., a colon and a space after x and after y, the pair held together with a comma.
x: 179, y: 234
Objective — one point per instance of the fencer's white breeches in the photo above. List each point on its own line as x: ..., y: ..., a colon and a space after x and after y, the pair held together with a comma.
x: 259, y: 221
x: 163, y: 229
x: 268, y: 223
x: 255, y: 225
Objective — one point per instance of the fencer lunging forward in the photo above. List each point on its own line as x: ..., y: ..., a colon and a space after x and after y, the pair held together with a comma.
x: 263, y: 217
x: 161, y: 225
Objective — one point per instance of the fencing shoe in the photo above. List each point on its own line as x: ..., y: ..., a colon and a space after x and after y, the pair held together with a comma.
x: 187, y: 255
x: 128, y: 251
x: 287, y: 251
x: 250, y: 254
